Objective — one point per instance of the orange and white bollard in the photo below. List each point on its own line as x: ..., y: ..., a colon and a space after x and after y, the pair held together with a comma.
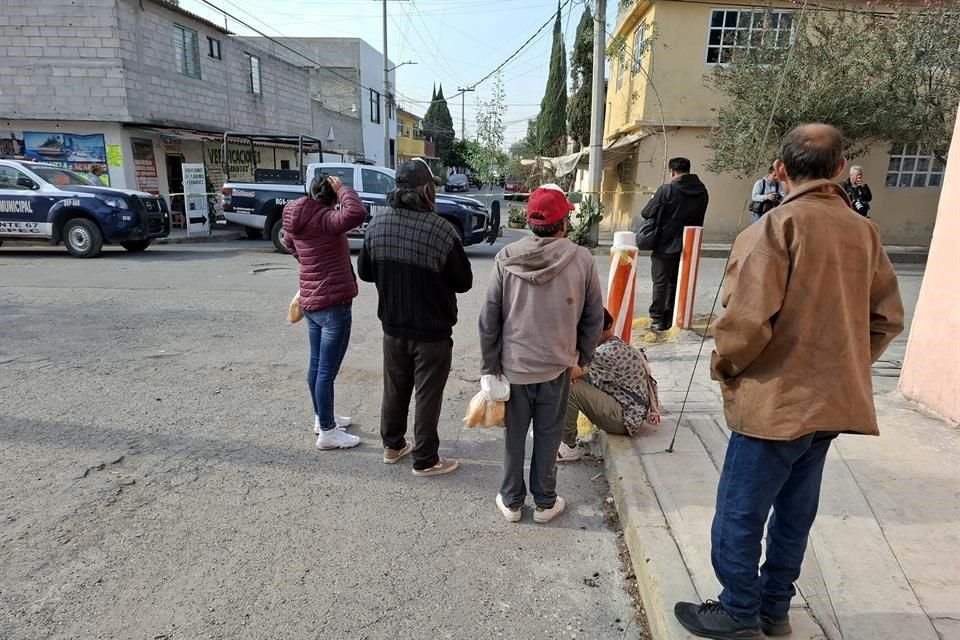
x: 622, y: 284
x: 687, y: 282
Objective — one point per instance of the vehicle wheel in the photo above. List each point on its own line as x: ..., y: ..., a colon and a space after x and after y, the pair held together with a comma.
x: 254, y: 233
x: 276, y: 234
x: 82, y: 238
x: 135, y: 246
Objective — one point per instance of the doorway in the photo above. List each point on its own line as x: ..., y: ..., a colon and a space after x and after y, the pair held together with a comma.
x: 175, y: 185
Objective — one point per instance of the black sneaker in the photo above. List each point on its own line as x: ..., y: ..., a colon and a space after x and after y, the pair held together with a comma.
x: 709, y: 620
x: 775, y: 626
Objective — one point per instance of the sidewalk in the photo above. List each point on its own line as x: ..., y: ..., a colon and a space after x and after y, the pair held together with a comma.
x: 882, y: 561
x: 898, y: 254
x: 220, y: 234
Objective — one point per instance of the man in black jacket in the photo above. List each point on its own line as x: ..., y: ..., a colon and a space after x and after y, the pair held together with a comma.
x: 858, y: 191
x: 680, y: 203
x: 417, y: 261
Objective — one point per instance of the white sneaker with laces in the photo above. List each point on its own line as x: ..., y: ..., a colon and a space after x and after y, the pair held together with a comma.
x: 568, y: 454
x: 342, y: 423
x: 543, y: 516
x: 512, y: 515
x: 336, y: 439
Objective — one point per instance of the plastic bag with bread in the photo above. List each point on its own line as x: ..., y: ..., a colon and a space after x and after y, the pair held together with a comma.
x: 294, y: 312
x: 489, y: 407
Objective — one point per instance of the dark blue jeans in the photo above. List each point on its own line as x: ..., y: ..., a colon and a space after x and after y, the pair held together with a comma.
x: 329, y: 332
x: 759, y: 475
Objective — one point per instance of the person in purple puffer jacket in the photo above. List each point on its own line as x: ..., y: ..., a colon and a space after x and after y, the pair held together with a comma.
x: 315, y: 233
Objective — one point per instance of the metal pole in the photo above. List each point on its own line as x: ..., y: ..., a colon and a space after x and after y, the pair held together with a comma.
x: 386, y: 93
x: 463, y: 110
x: 595, y: 170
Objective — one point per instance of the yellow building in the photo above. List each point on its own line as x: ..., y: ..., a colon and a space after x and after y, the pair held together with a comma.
x: 666, y: 88
x: 411, y: 141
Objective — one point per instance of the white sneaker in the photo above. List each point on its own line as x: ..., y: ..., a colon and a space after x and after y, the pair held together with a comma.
x: 336, y: 439
x: 512, y: 515
x: 543, y: 516
x: 342, y: 423
x: 568, y: 454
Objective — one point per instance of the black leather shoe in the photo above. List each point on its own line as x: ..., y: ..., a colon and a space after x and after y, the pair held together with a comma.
x: 709, y: 620
x: 657, y: 327
x: 774, y: 627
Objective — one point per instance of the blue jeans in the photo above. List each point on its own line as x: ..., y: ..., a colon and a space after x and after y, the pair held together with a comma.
x: 329, y: 332
x: 759, y: 475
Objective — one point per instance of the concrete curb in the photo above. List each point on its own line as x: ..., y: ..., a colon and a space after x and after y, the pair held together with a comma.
x: 220, y: 236
x: 662, y: 575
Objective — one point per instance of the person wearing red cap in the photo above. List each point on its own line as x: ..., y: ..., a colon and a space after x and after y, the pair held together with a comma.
x: 542, y: 316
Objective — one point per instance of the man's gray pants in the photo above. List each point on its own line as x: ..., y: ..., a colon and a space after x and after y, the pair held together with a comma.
x: 545, y: 404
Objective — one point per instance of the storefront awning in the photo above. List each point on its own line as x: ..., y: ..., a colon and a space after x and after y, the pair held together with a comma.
x: 613, y: 154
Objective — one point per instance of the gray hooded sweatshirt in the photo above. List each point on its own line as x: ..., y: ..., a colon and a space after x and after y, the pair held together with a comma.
x: 544, y: 310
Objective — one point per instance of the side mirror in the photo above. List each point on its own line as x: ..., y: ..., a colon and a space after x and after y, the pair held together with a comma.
x: 27, y: 183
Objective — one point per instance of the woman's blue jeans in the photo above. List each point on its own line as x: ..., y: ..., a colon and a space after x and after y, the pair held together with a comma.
x: 329, y: 332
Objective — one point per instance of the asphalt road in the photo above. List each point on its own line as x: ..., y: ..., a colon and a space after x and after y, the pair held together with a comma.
x: 158, y: 477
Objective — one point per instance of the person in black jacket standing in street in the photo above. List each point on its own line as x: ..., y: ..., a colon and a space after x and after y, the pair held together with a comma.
x: 680, y: 203
x: 858, y: 191
x: 417, y: 261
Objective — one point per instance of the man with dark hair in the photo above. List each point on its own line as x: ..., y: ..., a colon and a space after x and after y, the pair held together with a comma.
x: 811, y: 303
x: 542, y: 317
x: 680, y: 203
x: 417, y: 261
x: 615, y: 392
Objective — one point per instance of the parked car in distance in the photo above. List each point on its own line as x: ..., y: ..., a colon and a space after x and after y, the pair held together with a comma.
x: 514, y: 190
x: 457, y: 182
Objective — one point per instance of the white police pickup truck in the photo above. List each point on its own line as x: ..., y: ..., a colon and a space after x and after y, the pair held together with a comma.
x: 51, y: 204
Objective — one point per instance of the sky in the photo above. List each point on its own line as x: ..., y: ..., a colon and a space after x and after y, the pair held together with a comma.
x: 454, y: 43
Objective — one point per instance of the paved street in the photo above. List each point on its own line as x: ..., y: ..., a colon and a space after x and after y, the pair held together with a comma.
x: 158, y: 477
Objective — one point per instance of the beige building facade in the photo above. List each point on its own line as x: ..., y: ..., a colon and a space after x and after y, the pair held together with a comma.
x: 666, y: 88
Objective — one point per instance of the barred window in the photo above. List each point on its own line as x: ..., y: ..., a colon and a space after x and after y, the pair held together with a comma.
x: 187, y: 50
x: 639, y: 42
x: 913, y: 166
x: 737, y: 30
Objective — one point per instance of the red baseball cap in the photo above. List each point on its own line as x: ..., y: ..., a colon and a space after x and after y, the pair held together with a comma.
x: 549, y: 204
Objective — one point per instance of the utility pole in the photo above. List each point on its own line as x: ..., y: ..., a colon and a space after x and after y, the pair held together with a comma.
x: 463, y: 110
x: 595, y: 169
x: 388, y: 158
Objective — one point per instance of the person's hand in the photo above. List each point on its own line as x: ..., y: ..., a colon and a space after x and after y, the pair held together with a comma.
x: 335, y: 183
x: 771, y: 196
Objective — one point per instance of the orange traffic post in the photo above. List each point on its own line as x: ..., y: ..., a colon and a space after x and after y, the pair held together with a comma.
x: 622, y: 284
x: 689, y: 272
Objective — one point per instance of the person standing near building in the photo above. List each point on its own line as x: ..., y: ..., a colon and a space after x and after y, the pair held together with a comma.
x: 767, y: 194
x: 858, y: 191
x: 542, y: 317
x: 677, y: 204
x: 811, y: 303
x: 315, y: 233
x: 417, y: 261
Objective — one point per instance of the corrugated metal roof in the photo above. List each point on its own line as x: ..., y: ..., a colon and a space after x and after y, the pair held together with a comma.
x: 170, y: 6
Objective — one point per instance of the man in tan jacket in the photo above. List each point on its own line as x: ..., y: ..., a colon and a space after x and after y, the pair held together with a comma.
x: 811, y: 303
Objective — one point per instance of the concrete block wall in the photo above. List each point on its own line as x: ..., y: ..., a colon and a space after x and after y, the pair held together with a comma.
x: 61, y: 59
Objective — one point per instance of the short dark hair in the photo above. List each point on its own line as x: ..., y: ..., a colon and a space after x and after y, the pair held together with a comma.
x: 546, y: 231
x: 679, y: 165
x: 770, y: 169
x: 607, y: 320
x: 812, y: 152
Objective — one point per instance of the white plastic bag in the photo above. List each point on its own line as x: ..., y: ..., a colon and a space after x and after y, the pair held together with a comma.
x: 494, y: 388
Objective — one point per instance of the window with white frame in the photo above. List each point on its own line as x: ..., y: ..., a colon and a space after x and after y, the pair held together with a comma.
x: 733, y: 31
x: 639, y: 43
x: 213, y: 48
x: 187, y: 51
x: 374, y: 106
x: 913, y: 166
x: 256, y: 83
x: 621, y: 64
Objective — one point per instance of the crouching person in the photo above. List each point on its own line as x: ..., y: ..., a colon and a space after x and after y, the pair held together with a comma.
x: 542, y: 317
x: 616, y: 392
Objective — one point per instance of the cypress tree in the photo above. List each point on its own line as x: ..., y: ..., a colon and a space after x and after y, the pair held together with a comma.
x: 444, y: 133
x: 552, y: 121
x: 581, y: 75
